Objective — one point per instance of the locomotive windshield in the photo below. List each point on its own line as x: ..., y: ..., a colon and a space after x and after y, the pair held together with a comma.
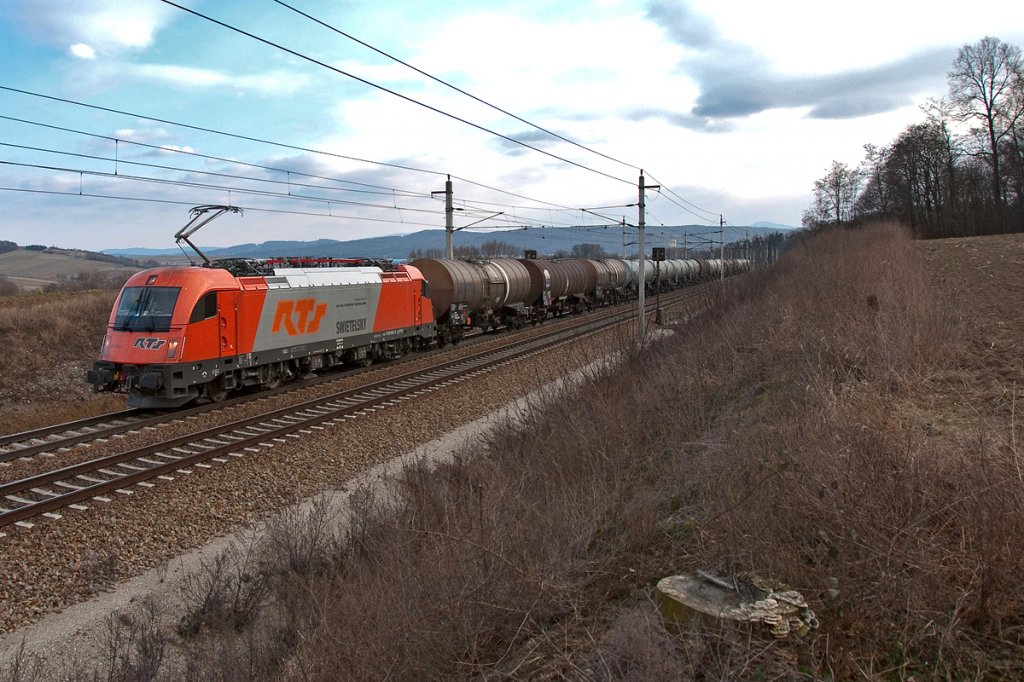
x: 146, y: 309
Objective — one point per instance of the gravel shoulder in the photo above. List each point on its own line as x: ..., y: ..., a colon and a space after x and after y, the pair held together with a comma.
x: 77, y: 634
x: 68, y: 577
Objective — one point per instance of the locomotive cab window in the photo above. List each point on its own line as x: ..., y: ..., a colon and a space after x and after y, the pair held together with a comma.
x: 146, y: 309
x: 205, y: 308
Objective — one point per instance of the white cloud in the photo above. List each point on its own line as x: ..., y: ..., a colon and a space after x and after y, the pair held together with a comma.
x: 176, y: 148
x: 150, y: 135
x: 82, y: 51
x: 106, y: 25
x: 275, y: 82
x: 814, y: 37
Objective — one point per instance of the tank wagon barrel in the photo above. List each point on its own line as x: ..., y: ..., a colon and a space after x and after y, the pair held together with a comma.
x: 464, y: 292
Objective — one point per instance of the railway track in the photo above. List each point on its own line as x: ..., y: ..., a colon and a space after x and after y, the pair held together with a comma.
x: 96, y: 480
x: 62, y: 437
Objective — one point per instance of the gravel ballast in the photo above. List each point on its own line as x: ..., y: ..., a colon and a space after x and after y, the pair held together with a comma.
x: 62, y: 562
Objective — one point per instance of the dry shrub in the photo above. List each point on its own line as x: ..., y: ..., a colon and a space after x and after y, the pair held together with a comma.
x: 7, y: 287
x: 857, y: 305
x: 252, y: 654
x: 22, y: 666
x: 638, y: 646
x: 768, y: 435
x: 135, y: 645
x: 226, y: 593
x: 477, y: 556
x: 903, y: 541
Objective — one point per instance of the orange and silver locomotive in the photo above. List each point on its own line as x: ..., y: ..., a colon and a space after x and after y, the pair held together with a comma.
x: 179, y: 333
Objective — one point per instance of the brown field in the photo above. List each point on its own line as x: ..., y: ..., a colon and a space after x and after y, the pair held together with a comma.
x: 844, y: 424
x: 33, y: 270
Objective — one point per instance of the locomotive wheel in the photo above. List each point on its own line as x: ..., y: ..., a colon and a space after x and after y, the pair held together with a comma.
x: 216, y: 391
x: 276, y: 379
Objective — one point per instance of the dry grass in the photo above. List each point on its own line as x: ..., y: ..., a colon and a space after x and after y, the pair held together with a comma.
x: 772, y: 440
x: 49, y: 342
x: 788, y: 433
x: 904, y: 540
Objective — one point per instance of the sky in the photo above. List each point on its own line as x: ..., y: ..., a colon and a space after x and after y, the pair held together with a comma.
x: 118, y: 116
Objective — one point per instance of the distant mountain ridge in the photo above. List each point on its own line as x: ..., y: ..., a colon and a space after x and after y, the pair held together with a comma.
x: 545, y: 242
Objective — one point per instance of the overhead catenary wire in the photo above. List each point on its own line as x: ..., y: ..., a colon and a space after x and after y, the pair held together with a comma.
x: 672, y: 192
x: 206, y: 186
x: 282, y: 145
x: 213, y: 187
x: 454, y: 87
x: 314, y: 151
x: 377, y: 86
x: 220, y: 188
x: 151, y: 200
x: 128, y: 162
x: 494, y: 106
x: 370, y: 189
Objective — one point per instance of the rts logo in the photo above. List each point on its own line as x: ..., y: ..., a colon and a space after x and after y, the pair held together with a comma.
x: 148, y: 343
x: 298, y: 317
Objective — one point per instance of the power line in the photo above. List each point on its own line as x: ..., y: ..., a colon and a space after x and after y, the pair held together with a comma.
x: 185, y: 183
x: 389, y: 91
x: 91, y: 195
x: 385, y: 190
x: 117, y: 140
x: 690, y: 203
x: 237, y: 136
x: 283, y: 145
x: 205, y: 186
x: 453, y: 87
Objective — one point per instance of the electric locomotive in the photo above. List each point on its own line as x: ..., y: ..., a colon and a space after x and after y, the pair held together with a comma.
x: 179, y: 333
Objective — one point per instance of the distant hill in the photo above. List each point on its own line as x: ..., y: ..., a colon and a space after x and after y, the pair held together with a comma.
x: 545, y: 242
x: 35, y: 268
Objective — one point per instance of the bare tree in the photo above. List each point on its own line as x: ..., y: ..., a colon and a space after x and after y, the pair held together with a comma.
x: 982, y: 86
x: 1015, y: 154
x: 876, y: 199
x: 592, y: 251
x: 835, y: 195
x: 493, y: 248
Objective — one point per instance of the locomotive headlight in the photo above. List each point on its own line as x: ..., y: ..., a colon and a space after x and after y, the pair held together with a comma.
x: 173, y: 346
x: 105, y: 346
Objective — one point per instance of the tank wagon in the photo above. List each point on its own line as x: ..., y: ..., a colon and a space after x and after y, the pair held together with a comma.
x: 486, y: 294
x: 178, y: 333
x: 514, y: 293
x: 608, y: 280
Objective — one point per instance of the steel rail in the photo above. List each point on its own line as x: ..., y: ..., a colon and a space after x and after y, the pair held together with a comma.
x: 38, y: 441
x: 352, y: 401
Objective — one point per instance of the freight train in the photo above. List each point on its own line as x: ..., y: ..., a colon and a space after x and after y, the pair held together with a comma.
x: 180, y: 333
